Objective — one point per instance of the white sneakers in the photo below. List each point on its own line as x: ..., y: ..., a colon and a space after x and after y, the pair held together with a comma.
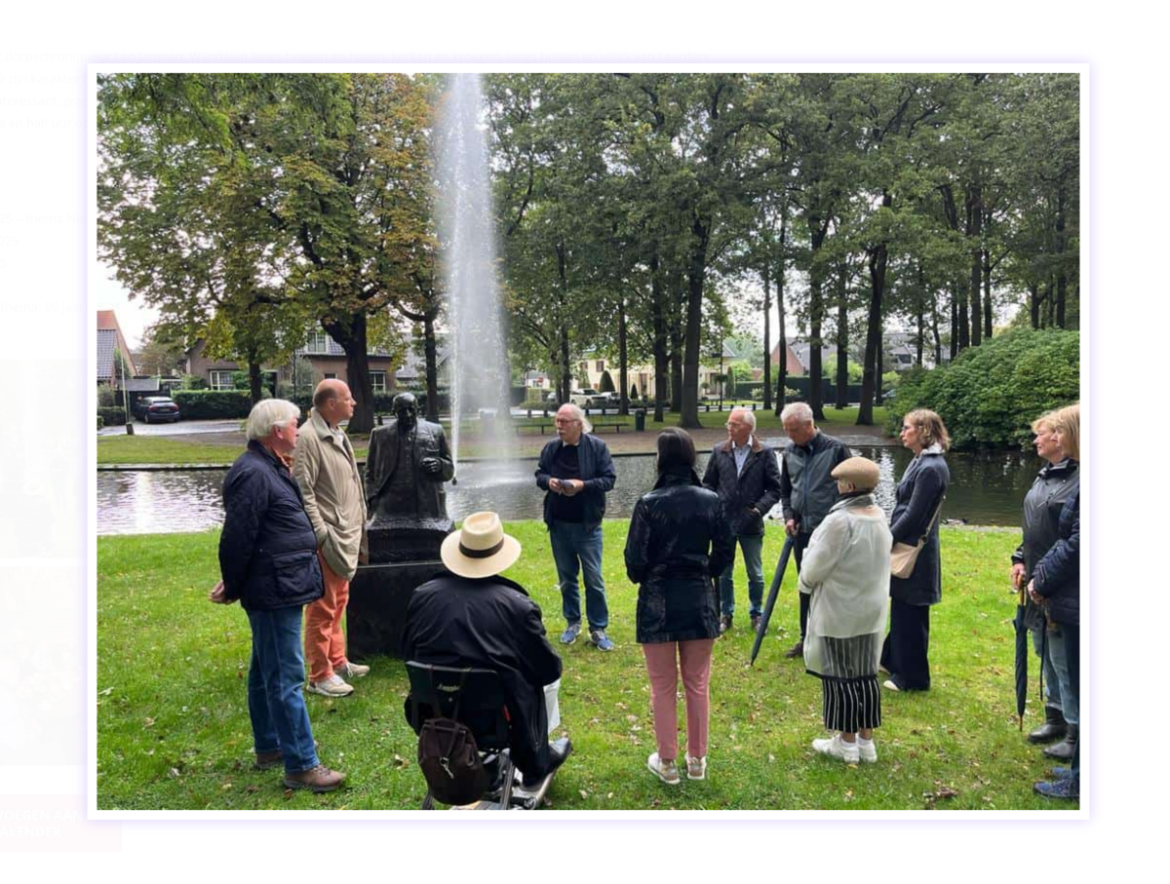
x: 850, y: 753
x: 333, y: 686
x: 667, y: 771
x: 696, y: 768
x: 353, y: 670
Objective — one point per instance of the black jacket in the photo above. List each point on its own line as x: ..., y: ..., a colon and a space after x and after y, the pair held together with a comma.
x: 919, y: 493
x: 758, y: 485
x: 490, y: 624
x: 597, y: 473
x: 678, y: 541
x: 807, y: 487
x: 1043, y: 503
x: 268, y: 550
x: 1057, y: 575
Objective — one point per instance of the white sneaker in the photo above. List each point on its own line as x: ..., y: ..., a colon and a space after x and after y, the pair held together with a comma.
x: 696, y: 768
x: 889, y: 685
x: 353, y: 670
x: 838, y: 748
x: 867, y: 753
x: 667, y: 771
x: 333, y: 686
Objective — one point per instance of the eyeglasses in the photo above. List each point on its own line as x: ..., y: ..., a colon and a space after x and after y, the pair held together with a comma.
x: 560, y: 422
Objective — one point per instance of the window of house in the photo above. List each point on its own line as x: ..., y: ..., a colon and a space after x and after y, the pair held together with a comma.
x: 601, y: 365
x: 220, y: 380
x: 318, y: 343
x: 378, y: 380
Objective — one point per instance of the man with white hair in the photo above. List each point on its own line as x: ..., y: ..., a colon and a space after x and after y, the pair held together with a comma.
x: 807, y: 487
x: 577, y: 471
x: 268, y: 559
x: 743, y: 472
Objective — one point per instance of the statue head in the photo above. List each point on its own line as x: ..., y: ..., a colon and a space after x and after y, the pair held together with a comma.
x: 406, y: 410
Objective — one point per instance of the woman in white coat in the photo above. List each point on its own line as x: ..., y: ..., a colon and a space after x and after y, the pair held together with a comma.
x: 846, y: 572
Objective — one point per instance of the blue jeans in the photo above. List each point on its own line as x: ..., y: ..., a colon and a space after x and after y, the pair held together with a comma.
x: 275, y: 701
x: 752, y: 547
x: 1042, y: 644
x: 577, y: 548
x: 1058, y: 651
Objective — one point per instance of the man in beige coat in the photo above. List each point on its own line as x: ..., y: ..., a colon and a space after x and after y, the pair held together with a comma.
x: 327, y: 472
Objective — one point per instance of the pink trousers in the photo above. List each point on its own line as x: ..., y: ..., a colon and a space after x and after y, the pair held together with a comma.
x: 694, y: 661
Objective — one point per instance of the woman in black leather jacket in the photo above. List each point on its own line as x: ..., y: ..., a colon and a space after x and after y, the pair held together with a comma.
x: 679, y: 541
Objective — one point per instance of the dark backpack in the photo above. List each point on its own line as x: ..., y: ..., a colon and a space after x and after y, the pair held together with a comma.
x: 450, y: 760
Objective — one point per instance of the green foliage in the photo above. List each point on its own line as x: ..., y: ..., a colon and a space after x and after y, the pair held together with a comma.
x: 105, y: 396
x: 112, y: 415
x: 990, y: 394
x: 605, y: 385
x: 100, y: 423
x: 212, y: 404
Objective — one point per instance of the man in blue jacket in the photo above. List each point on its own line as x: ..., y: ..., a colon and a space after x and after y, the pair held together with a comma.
x: 576, y: 471
x: 268, y: 559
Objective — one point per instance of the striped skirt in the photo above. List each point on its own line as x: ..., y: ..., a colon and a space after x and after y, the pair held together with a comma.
x: 852, y: 700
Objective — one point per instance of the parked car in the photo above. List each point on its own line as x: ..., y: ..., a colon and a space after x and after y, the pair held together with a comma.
x: 156, y: 408
x: 583, y: 398
x: 606, y: 400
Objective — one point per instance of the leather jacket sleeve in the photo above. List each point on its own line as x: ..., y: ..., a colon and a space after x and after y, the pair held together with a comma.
x: 638, y: 544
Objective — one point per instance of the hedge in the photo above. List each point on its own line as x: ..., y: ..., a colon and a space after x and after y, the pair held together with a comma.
x: 111, y: 415
x: 211, y: 404
x: 989, y: 396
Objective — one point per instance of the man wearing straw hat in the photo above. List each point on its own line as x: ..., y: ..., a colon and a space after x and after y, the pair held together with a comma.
x: 474, y: 617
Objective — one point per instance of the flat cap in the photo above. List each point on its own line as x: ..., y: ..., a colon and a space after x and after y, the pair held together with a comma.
x: 862, y: 472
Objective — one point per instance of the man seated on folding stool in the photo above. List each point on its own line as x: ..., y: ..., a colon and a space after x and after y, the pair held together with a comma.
x: 473, y: 617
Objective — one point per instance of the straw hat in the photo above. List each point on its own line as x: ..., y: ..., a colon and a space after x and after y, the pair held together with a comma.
x: 863, y: 473
x: 480, y: 548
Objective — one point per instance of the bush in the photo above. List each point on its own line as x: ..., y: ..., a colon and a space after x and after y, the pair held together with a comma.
x: 112, y: 416
x: 989, y: 396
x: 212, y: 404
x: 105, y: 396
x: 101, y: 423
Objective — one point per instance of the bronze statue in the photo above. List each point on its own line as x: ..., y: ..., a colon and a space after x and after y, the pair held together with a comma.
x: 408, y: 463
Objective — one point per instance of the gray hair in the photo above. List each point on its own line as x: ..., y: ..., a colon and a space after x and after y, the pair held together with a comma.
x: 578, y: 414
x: 268, y: 413
x: 749, y: 417
x: 797, y: 410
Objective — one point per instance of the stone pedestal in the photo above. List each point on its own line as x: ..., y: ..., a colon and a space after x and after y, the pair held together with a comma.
x: 378, y: 596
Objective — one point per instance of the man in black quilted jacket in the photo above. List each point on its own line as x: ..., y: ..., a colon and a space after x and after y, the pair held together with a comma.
x: 268, y: 559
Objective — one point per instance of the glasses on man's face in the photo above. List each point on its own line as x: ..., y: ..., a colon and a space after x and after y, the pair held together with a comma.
x: 562, y: 422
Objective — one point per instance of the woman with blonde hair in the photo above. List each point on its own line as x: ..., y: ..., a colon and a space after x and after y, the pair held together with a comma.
x: 917, y: 508
x: 1057, y: 441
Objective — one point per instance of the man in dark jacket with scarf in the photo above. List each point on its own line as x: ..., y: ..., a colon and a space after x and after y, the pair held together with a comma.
x: 473, y: 617
x: 576, y: 471
x: 268, y: 559
x: 807, y: 488
x: 744, y: 473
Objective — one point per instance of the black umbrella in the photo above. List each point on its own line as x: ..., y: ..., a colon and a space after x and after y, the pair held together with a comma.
x: 781, y: 567
x: 1021, y: 659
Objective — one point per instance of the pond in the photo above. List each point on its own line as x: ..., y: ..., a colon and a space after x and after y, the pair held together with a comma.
x: 985, y: 489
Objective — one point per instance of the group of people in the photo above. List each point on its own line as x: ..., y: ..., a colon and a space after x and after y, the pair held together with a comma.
x: 293, y: 537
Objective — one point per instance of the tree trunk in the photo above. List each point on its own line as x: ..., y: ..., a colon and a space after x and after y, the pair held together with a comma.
x: 782, y: 374
x: 974, y: 234
x: 1061, y: 276
x: 676, y: 343
x: 1034, y: 304
x: 873, y: 337
x: 842, y: 399
x: 816, y: 309
x: 937, y: 336
x: 954, y: 325
x: 696, y: 274
x: 352, y: 336
x: 658, y: 320
x: 255, y: 382
x: 987, y: 294
x: 431, y: 358
x: 623, y: 359
x: 566, y: 369
x: 766, y: 276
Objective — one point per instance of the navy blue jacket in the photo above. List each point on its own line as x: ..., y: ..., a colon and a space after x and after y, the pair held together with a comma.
x: 268, y: 550
x: 679, y: 540
x: 807, y: 487
x: 1057, y: 575
x: 919, y: 493
x: 596, y: 466
x: 757, y: 485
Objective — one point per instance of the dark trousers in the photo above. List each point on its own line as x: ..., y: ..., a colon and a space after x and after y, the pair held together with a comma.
x: 799, y: 545
x: 904, y: 652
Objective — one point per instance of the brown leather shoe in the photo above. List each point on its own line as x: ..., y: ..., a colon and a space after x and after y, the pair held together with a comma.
x: 268, y: 760
x: 319, y: 779
x: 797, y: 650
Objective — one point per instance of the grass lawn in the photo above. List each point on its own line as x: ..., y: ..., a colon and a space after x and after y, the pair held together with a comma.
x: 173, y: 727
x: 143, y: 449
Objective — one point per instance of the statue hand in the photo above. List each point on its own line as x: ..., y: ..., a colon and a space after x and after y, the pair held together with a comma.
x: 431, y: 465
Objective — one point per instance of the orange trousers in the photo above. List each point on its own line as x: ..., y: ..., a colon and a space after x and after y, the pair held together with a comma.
x: 324, y: 640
